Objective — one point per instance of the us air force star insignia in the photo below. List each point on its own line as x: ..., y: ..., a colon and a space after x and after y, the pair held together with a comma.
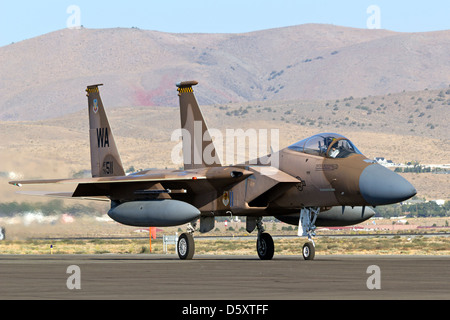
x: 225, y: 199
x: 95, y: 105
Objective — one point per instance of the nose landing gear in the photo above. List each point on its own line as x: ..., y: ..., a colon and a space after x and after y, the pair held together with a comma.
x: 308, y: 251
x: 306, y: 228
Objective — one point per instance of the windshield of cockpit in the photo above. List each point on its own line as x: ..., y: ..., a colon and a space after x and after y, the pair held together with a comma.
x: 330, y: 145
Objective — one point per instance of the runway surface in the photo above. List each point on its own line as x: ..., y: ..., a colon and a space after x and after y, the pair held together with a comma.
x: 165, y: 277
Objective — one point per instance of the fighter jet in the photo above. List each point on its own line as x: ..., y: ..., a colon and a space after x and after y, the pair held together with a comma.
x: 323, y: 180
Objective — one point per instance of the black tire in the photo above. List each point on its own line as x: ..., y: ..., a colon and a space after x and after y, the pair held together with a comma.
x: 308, y: 251
x: 265, y: 246
x: 186, y: 246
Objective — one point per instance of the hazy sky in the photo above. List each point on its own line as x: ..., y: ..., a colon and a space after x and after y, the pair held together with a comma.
x: 20, y: 19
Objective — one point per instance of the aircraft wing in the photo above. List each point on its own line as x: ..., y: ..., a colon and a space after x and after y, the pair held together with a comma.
x: 147, y: 182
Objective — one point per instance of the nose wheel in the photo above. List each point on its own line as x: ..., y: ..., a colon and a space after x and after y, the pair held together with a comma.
x: 308, y: 251
x: 306, y: 228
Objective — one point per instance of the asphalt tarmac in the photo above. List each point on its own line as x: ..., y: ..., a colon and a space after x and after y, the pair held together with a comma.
x: 165, y: 277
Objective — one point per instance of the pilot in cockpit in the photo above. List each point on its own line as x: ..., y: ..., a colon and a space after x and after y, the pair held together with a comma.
x: 333, y: 152
x: 330, y: 145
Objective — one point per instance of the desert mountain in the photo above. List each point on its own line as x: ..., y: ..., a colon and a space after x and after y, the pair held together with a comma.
x: 44, y: 77
x: 386, y: 91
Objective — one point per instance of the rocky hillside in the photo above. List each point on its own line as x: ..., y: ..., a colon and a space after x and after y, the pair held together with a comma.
x: 45, y: 77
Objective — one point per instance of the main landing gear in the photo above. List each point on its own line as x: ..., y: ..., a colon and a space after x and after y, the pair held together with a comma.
x: 186, y: 244
x: 306, y: 228
x: 264, y: 243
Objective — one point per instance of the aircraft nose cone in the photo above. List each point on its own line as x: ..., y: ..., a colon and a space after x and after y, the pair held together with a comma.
x: 380, y: 186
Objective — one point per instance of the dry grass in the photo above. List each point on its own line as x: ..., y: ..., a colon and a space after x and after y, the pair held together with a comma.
x: 96, y: 246
x: 417, y: 245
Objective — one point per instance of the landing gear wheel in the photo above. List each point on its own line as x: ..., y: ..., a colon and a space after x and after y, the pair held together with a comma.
x: 265, y: 246
x: 308, y: 251
x: 186, y: 246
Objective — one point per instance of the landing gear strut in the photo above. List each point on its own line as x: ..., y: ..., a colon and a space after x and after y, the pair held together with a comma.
x: 306, y: 228
x: 186, y: 244
x: 264, y: 244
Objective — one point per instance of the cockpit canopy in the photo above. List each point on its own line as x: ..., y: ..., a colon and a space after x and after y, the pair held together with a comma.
x: 329, y: 145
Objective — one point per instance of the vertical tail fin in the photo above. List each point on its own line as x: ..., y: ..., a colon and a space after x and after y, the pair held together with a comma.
x: 105, y: 158
x: 194, y: 126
